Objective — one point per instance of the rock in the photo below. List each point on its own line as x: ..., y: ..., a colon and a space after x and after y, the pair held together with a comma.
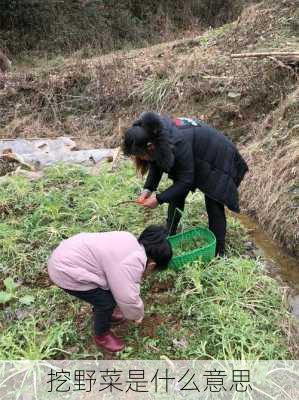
x: 234, y: 95
x: 22, y: 314
x: 30, y: 175
x: 72, y: 349
x: 294, y: 302
x: 258, y: 253
x: 182, y: 343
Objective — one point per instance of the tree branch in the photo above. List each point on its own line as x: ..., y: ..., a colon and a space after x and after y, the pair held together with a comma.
x: 267, y: 54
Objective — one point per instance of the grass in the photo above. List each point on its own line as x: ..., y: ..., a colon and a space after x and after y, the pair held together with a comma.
x: 226, y: 309
x: 188, y: 245
x: 156, y: 92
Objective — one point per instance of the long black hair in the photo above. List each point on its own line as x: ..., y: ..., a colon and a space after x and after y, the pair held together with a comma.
x: 149, y: 129
x: 136, y: 140
x: 157, y: 247
x: 135, y: 145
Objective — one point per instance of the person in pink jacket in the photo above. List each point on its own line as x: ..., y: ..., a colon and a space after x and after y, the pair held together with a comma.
x: 106, y: 270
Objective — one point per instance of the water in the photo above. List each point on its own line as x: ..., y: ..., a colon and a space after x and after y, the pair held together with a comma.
x: 280, y: 265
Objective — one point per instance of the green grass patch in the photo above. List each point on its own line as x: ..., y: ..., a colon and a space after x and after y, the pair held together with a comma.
x: 226, y: 309
x: 188, y: 245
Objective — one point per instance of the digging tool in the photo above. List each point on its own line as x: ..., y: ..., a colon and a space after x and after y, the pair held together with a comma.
x: 138, y: 202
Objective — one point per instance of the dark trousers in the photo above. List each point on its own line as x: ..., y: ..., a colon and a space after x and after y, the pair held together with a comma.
x: 216, y: 216
x: 103, y: 305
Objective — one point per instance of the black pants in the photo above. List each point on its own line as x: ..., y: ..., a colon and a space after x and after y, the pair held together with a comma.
x: 103, y: 305
x: 216, y: 215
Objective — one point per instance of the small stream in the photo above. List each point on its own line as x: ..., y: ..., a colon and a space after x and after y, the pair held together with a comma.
x: 280, y: 265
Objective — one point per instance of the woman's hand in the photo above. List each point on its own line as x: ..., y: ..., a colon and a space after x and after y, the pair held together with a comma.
x: 139, y: 321
x: 143, y: 196
x: 151, y: 202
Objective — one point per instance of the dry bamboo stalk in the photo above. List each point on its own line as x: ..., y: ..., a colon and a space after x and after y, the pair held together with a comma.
x: 36, y: 138
x: 266, y: 54
x: 117, y: 152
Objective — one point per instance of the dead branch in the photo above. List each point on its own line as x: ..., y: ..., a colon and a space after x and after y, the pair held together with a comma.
x: 32, y: 138
x: 266, y: 54
x: 117, y: 152
x: 282, y: 64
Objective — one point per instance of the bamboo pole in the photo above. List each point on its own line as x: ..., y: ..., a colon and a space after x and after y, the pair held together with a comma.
x: 266, y: 54
x: 117, y: 151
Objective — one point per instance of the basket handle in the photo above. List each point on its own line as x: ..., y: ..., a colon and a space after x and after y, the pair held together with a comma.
x: 174, y: 214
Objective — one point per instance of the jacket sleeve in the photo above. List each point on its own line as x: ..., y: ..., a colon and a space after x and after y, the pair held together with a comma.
x: 183, y: 174
x: 124, y: 283
x: 153, y: 178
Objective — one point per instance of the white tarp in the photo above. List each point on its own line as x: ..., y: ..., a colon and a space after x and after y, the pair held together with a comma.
x: 44, y: 152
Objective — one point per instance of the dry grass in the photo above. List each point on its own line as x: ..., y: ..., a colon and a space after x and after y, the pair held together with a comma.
x: 273, y: 159
x: 86, y: 97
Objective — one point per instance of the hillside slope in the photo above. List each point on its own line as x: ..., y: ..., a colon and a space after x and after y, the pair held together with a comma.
x: 273, y: 158
x: 253, y: 100
x: 63, y: 26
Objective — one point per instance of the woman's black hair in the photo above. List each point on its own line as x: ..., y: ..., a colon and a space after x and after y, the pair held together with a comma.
x: 156, y: 245
x: 135, y: 141
x: 135, y: 145
x: 149, y: 129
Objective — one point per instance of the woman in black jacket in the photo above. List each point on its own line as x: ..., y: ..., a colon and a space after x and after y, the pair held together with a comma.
x: 194, y: 155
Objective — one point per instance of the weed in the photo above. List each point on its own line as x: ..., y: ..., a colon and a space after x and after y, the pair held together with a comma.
x: 234, y: 311
x: 9, y: 293
x: 156, y: 91
x: 30, y: 340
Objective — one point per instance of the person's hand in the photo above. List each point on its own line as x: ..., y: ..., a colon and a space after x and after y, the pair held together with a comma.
x: 139, y: 321
x: 151, y: 202
x: 143, y: 196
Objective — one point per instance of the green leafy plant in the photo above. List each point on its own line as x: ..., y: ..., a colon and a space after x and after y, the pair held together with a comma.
x: 9, y: 293
x: 189, y: 245
x: 27, y: 300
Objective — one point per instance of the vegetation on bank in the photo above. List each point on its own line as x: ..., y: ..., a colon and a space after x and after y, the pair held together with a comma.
x: 226, y: 309
x: 273, y: 158
x: 64, y: 26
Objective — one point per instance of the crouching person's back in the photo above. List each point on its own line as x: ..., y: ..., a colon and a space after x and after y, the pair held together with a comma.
x: 106, y: 270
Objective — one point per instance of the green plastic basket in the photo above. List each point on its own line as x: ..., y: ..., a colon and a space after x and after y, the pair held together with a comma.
x: 205, y: 253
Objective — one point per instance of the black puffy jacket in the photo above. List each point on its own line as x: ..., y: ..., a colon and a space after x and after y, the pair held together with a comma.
x: 203, y: 158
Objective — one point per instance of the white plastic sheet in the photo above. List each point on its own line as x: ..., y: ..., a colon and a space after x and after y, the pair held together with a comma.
x: 44, y: 152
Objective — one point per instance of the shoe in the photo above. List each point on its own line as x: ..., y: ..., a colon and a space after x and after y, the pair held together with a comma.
x: 117, y: 317
x: 109, y: 342
x: 221, y: 253
x: 220, y: 249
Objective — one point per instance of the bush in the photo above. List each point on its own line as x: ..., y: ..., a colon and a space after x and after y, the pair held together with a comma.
x: 68, y: 25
